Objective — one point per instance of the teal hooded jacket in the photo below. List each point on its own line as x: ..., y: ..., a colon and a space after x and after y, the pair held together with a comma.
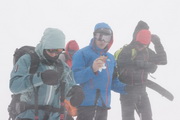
x: 47, y: 94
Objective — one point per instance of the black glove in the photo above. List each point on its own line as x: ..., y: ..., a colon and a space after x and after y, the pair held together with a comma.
x: 150, y: 67
x: 140, y: 26
x: 140, y: 63
x: 77, y: 95
x: 50, y: 77
x: 155, y: 39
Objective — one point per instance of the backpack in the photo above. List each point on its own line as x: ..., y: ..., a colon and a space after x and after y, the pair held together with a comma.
x: 117, y: 53
x: 116, y: 56
x: 33, y: 68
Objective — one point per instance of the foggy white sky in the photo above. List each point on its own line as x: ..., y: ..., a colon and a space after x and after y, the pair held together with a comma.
x: 22, y: 22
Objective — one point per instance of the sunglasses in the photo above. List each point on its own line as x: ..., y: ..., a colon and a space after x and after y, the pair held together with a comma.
x: 102, y: 37
x: 57, y: 51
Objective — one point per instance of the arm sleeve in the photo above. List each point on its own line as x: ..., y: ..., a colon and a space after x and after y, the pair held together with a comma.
x: 118, y: 86
x: 82, y: 73
x: 69, y: 81
x: 160, y: 57
x: 148, y: 66
x: 20, y: 77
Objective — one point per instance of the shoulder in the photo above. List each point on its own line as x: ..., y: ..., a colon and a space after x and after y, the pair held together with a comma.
x: 22, y: 64
x: 62, y: 56
x: 83, y: 51
x: 110, y: 56
x: 26, y: 58
x: 128, y: 49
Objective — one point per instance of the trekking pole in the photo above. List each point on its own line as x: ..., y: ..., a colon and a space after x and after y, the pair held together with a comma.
x: 61, y: 111
x: 95, y: 103
x: 62, y: 92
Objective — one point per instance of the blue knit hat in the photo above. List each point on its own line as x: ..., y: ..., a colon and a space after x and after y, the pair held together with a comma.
x: 102, y: 25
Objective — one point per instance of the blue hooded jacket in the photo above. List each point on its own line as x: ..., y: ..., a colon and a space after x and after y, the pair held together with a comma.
x: 47, y: 94
x: 90, y: 81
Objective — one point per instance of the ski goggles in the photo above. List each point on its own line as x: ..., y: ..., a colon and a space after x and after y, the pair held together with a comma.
x: 57, y: 51
x: 105, y: 31
x: 103, y: 37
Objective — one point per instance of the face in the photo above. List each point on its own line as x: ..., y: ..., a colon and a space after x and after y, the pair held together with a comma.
x: 140, y: 46
x: 102, y: 40
x: 71, y: 52
x: 101, y: 44
x: 54, y: 52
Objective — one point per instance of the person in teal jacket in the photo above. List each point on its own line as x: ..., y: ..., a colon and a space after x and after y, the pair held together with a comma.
x: 93, y: 67
x: 46, y: 81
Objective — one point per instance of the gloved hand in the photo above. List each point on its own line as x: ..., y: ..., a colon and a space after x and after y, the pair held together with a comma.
x: 118, y: 86
x: 50, y: 77
x: 140, y: 63
x: 77, y: 95
x: 150, y: 67
x: 155, y: 39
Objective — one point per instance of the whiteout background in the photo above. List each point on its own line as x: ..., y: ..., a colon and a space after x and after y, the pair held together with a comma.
x: 22, y: 22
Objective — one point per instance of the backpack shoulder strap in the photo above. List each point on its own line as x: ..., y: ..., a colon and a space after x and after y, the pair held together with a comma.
x: 66, y: 56
x: 133, y: 53
x: 34, y: 62
x: 116, y: 55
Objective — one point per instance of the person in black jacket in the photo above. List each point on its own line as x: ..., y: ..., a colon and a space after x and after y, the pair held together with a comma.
x: 134, y: 64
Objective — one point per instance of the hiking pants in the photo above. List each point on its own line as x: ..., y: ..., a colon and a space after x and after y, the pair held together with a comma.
x: 91, y: 113
x: 68, y: 117
x: 138, y: 102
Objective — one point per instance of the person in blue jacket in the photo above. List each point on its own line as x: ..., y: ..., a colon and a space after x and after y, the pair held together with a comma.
x: 41, y: 92
x: 93, y: 68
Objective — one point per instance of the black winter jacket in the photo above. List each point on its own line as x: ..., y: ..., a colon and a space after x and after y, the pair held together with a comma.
x: 134, y: 69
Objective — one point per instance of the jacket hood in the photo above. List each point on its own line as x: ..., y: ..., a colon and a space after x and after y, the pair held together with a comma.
x: 52, y: 38
x: 100, y: 26
x: 140, y: 26
x: 71, y: 45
